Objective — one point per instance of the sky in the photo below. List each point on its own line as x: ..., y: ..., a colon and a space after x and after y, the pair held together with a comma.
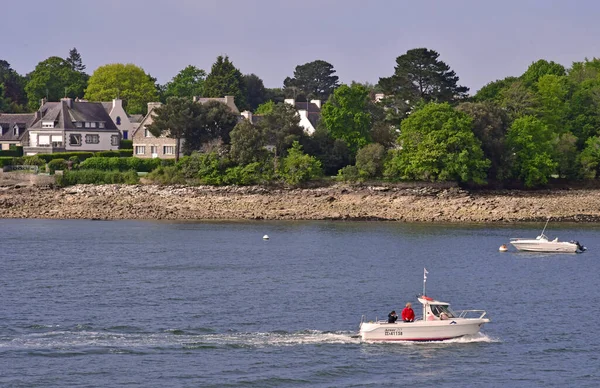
x: 480, y: 40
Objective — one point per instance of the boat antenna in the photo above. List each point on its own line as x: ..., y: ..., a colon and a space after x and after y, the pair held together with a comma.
x: 543, y: 230
x: 424, y: 279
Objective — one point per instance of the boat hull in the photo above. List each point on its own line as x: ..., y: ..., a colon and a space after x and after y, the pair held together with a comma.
x: 421, y: 330
x: 549, y: 247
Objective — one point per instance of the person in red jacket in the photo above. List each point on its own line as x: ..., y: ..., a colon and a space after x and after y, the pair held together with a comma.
x: 408, y: 315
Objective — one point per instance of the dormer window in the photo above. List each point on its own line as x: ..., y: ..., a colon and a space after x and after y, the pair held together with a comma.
x: 1, y: 130
x: 147, y: 133
x: 101, y: 124
x: 16, y: 130
x: 47, y: 124
x: 79, y: 124
x: 87, y: 125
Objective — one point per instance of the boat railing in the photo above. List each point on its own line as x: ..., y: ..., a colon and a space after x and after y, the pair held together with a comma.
x: 471, y: 314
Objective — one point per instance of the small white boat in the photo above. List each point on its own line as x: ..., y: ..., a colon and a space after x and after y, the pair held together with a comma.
x: 438, y: 323
x: 543, y: 244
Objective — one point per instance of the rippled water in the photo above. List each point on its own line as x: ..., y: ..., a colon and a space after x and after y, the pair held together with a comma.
x: 93, y: 303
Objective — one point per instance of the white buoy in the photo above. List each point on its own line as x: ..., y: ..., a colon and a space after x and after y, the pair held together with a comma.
x: 503, y: 248
x: 265, y: 237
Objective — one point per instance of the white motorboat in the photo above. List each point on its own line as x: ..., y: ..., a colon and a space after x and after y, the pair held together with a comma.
x: 438, y: 323
x: 543, y: 244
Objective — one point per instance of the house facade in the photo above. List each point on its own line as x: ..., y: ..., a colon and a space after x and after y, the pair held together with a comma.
x: 124, y: 122
x: 146, y: 145
x: 309, y: 112
x: 13, y: 128
x: 69, y: 126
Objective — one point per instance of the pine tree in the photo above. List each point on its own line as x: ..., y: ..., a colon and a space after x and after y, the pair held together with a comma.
x: 225, y: 80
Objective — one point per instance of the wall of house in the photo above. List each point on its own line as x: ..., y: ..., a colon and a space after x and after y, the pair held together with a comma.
x: 105, y: 143
x: 125, y: 125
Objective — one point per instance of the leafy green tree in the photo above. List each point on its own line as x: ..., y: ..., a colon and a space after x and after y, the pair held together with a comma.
x: 277, y: 95
x: 74, y: 59
x: 333, y: 154
x: 345, y: 116
x: 493, y: 90
x: 265, y: 107
x: 298, y: 167
x: 583, y: 71
x: 584, y: 111
x: 530, y: 145
x: 225, y: 79
x: 54, y: 78
x: 490, y: 124
x: 539, y: 69
x: 438, y: 144
x: 247, y: 143
x: 175, y: 119
x: 4, y: 102
x: 553, y: 94
x: 566, y: 156
x: 256, y: 94
x: 189, y: 82
x: 420, y: 75
x: 313, y: 80
x: 14, y: 88
x: 281, y: 128
x: 370, y: 160
x: 589, y: 159
x: 126, y: 81
x: 518, y: 100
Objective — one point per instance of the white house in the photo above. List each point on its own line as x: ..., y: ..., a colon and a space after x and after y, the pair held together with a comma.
x: 69, y: 126
x: 124, y: 122
x: 309, y: 112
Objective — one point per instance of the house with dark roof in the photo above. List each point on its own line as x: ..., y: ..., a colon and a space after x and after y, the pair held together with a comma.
x: 309, y: 112
x: 13, y: 127
x: 69, y: 126
x: 146, y: 145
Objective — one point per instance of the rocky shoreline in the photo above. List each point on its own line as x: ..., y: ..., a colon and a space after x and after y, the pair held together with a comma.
x: 338, y: 202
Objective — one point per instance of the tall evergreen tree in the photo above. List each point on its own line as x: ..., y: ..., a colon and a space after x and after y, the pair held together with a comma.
x: 74, y: 59
x: 315, y: 79
x: 189, y: 82
x: 14, y: 88
x: 225, y: 80
x: 256, y: 93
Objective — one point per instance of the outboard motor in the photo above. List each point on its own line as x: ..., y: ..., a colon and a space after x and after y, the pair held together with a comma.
x: 579, y: 246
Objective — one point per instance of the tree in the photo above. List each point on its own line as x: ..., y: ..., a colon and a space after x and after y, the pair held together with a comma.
x: 540, y: 68
x: 490, y: 124
x: 438, y: 144
x: 313, y: 80
x: 14, y: 89
x: 530, y: 146
x: 215, y: 121
x: 189, y: 82
x: 420, y: 75
x: 125, y: 81
x: 297, y: 167
x: 332, y: 153
x: 589, y: 159
x: 518, y: 100
x: 370, y: 160
x: 493, y: 90
x: 553, y: 93
x: 247, y: 143
x: 256, y: 94
x: 4, y: 102
x: 175, y: 119
x: 264, y: 108
x: 74, y: 59
x: 346, y: 117
x: 225, y: 80
x: 53, y: 79
x: 281, y: 127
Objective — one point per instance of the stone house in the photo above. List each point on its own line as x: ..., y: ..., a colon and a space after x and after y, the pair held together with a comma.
x: 70, y: 126
x: 13, y: 127
x: 146, y: 145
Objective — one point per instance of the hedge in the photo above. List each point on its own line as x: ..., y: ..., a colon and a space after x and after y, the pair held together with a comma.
x: 74, y: 177
x: 126, y: 144
x: 122, y: 164
x: 14, y: 151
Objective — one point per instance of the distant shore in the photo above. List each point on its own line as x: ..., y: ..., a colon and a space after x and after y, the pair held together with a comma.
x: 338, y: 202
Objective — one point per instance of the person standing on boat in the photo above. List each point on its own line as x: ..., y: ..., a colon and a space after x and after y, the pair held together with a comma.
x: 408, y: 315
x: 392, y: 317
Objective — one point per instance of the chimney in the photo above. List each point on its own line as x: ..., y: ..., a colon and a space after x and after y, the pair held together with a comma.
x: 117, y: 102
x: 42, y: 102
x: 68, y: 100
x: 153, y: 105
x: 316, y: 102
x: 248, y: 115
x: 195, y: 99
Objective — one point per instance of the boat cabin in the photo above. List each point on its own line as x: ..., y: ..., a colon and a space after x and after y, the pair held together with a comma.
x: 434, y: 310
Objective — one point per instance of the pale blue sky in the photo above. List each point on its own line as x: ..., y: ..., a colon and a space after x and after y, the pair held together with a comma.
x: 481, y: 40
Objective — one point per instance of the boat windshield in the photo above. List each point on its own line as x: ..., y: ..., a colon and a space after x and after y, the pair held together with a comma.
x: 442, y: 309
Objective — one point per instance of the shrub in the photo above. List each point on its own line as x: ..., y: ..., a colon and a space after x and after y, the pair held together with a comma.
x: 120, y: 164
x: 107, y: 154
x: 6, y: 161
x: 168, y: 175
x: 126, y: 144
x: 66, y: 155
x: 56, y: 164
x: 97, y: 177
x: 250, y: 174
x: 370, y: 160
x: 299, y: 167
x: 34, y: 160
x: 348, y: 174
x: 15, y: 151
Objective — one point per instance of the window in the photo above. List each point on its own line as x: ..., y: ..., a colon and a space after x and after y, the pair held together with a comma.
x: 101, y: 124
x: 1, y: 130
x: 147, y: 133
x: 153, y: 150
x: 87, y: 125
x: 16, y: 130
x: 92, y: 139
x: 47, y: 124
x: 79, y: 124
x: 140, y: 150
x: 75, y: 139
x: 93, y: 125
x: 125, y: 134
x: 169, y: 150
x: 118, y: 120
x: 114, y: 140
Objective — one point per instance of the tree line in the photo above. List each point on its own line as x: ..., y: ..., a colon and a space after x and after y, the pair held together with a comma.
x: 522, y: 130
